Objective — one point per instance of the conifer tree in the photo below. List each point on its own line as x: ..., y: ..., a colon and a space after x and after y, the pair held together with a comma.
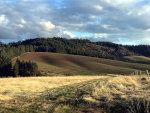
x: 16, y: 68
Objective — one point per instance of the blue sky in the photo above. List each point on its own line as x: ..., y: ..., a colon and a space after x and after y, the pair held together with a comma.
x: 118, y: 21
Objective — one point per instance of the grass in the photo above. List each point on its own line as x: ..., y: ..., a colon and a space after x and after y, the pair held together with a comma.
x: 63, y: 64
x: 139, y: 106
x: 9, y: 87
x: 39, y: 94
x: 75, y: 93
x: 137, y: 59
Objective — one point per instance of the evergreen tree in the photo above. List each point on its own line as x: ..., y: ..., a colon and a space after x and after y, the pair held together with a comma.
x: 24, y: 68
x: 16, y: 68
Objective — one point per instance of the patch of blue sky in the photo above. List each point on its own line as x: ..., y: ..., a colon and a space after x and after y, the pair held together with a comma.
x: 82, y: 35
x: 59, y: 4
x: 6, y: 41
x: 127, y: 43
x: 9, y: 0
x: 143, y: 2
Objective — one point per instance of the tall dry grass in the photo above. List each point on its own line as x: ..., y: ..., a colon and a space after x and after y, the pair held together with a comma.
x: 122, y: 87
x: 33, y: 86
x: 121, y: 94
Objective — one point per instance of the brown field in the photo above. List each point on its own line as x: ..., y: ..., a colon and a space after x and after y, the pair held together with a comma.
x: 54, y: 64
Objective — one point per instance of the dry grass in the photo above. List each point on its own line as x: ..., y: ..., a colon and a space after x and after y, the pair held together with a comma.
x: 111, y: 87
x: 73, y: 92
x: 32, y: 86
x: 122, y: 87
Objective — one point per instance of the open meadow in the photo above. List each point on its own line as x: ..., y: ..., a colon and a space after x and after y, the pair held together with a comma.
x: 74, y: 94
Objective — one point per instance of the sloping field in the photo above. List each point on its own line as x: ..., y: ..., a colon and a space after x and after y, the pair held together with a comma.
x: 54, y: 63
x: 137, y: 59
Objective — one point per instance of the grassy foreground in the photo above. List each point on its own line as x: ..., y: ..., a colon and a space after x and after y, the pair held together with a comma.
x: 112, y: 94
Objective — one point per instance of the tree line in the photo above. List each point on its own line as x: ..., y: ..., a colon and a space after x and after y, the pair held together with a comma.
x: 24, y: 68
x: 20, y: 68
x: 73, y: 46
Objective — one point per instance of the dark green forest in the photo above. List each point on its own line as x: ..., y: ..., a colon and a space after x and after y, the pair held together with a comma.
x: 84, y: 47
x: 20, y: 68
x: 24, y: 68
x: 106, y: 50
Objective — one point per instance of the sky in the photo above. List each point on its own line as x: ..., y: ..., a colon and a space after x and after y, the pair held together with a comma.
x: 118, y: 21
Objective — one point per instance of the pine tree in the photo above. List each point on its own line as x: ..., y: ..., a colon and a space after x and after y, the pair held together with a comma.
x: 16, y: 68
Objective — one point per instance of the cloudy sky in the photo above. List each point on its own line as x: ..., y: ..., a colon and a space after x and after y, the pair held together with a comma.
x: 119, y: 21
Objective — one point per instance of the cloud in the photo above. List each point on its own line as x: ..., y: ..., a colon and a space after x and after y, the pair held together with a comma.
x: 3, y: 20
x: 69, y: 34
x: 100, y: 35
x: 47, y: 25
x: 23, y: 21
x: 98, y: 7
x: 120, y: 21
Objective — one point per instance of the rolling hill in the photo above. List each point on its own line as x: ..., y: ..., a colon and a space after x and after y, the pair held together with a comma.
x: 55, y: 64
x: 137, y: 59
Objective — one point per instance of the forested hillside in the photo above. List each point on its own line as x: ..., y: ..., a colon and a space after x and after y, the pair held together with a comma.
x: 74, y: 46
x: 105, y: 50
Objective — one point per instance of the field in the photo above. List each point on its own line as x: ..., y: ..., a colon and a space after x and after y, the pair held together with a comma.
x: 137, y: 59
x: 9, y: 87
x: 106, y: 87
x: 77, y: 94
x: 63, y: 64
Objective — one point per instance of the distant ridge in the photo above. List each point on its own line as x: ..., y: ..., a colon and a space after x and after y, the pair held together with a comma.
x: 82, y: 47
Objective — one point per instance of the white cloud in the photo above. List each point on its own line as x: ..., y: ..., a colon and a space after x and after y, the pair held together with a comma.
x: 106, y: 26
x: 144, y: 10
x: 100, y: 35
x: 93, y: 17
x: 20, y: 25
x: 98, y: 7
x: 47, y: 25
x: 3, y: 19
x: 139, y: 13
x: 23, y: 21
x: 121, y: 2
x: 99, y: 18
x: 71, y: 35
